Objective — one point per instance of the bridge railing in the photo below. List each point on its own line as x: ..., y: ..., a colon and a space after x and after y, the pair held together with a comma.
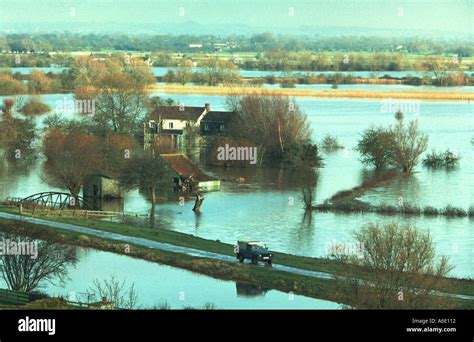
x: 12, y: 201
x: 9, y: 297
x: 71, y: 212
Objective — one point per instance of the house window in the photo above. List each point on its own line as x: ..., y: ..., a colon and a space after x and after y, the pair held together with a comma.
x: 170, y: 125
x: 153, y: 126
x: 206, y: 127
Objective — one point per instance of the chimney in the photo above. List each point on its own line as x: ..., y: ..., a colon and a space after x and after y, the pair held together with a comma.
x: 207, y: 109
x: 7, y: 109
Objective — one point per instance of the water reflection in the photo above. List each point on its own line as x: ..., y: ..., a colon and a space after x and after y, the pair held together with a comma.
x: 197, y: 214
x: 179, y: 288
x: 105, y: 204
x: 13, y: 174
x: 405, y: 189
x: 249, y: 290
x: 304, y: 232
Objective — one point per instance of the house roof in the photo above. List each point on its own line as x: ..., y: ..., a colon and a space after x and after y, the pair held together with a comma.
x: 174, y: 113
x: 218, y: 116
x: 185, y: 167
x: 190, y: 114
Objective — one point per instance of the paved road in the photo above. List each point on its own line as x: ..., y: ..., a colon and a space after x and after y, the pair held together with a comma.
x: 152, y: 244
x: 168, y: 247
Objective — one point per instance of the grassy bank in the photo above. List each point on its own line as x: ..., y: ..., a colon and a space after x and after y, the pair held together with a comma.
x: 260, y: 276
x: 366, y: 185
x: 333, y: 93
x: 345, y: 201
x: 455, y: 286
x: 357, y: 206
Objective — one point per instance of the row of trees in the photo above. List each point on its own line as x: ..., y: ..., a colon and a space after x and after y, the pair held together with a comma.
x: 37, y: 82
x: 322, y: 61
x: 46, y: 42
x: 213, y: 71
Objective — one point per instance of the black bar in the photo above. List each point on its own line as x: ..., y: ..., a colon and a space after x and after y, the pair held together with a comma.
x: 315, y: 325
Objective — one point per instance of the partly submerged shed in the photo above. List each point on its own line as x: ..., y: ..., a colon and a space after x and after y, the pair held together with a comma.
x: 101, y: 186
x: 185, y: 171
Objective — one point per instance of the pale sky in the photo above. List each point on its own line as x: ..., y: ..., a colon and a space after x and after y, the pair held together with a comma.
x: 443, y: 15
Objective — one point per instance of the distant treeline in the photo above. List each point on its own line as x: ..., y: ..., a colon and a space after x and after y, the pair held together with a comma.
x: 236, y: 43
x: 38, y: 82
x: 273, y: 60
x: 172, y: 76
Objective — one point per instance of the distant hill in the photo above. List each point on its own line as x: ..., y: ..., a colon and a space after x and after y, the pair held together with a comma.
x: 194, y: 28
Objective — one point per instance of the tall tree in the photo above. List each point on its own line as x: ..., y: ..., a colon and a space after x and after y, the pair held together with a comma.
x: 114, y: 152
x: 118, y: 89
x: 274, y: 123
x: 70, y: 157
x: 149, y: 172
x: 376, y: 147
x: 409, y: 144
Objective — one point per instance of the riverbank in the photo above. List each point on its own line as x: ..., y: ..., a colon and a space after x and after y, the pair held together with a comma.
x: 333, y: 93
x: 312, y: 286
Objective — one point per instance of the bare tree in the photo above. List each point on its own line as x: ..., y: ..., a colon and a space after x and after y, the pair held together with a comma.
x: 118, y: 89
x: 307, y: 180
x: 399, y: 270
x: 27, y: 272
x: 408, y: 144
x: 440, y: 68
x: 148, y: 172
x: 274, y: 123
x: 115, y: 292
x: 70, y: 158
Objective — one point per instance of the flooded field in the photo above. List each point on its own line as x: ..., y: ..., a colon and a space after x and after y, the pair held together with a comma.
x: 161, y: 71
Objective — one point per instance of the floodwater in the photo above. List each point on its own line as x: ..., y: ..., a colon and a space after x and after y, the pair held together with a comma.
x: 161, y: 71
x: 267, y: 206
x: 156, y: 284
x: 371, y: 87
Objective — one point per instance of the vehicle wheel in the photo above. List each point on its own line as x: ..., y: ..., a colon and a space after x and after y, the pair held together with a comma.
x: 241, y: 258
x: 255, y: 260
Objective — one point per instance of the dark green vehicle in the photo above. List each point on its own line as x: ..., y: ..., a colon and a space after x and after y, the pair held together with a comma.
x: 253, y: 250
